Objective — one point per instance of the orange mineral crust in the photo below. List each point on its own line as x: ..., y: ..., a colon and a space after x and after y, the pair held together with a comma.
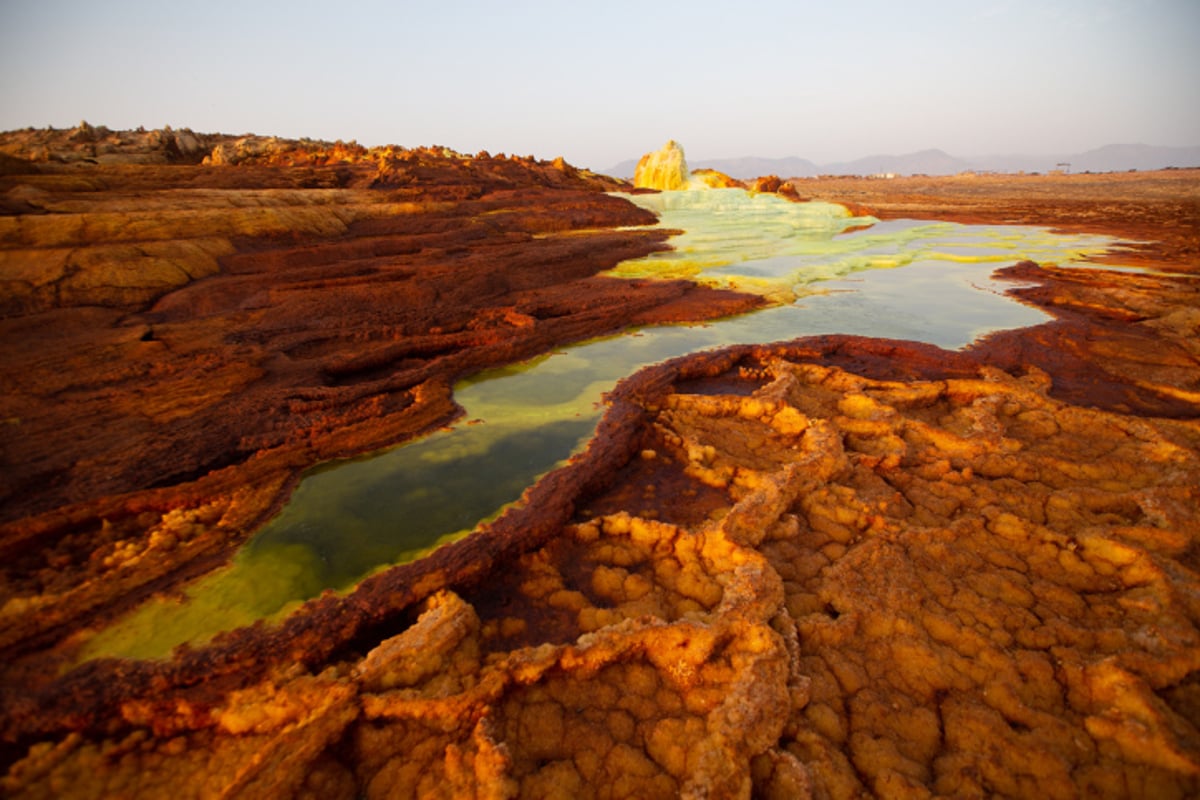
x: 912, y: 574
x: 832, y: 567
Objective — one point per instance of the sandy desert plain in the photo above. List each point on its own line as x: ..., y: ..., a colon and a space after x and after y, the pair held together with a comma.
x: 836, y: 566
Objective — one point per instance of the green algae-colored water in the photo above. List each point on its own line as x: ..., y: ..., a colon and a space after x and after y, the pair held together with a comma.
x: 907, y: 280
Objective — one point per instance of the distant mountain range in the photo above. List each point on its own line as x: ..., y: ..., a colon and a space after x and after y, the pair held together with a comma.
x: 1110, y: 158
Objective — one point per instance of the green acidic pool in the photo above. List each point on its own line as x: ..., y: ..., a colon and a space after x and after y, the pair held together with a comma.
x: 922, y: 281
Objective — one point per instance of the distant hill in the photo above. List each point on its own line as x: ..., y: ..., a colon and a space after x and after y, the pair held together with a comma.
x: 751, y: 167
x: 926, y: 162
x: 1110, y: 158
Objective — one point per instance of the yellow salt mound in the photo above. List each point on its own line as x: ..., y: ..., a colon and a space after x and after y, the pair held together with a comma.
x: 664, y: 169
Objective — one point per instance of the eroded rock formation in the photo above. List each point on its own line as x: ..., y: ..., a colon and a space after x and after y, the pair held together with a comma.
x: 87, y: 144
x: 97, y: 144
x: 664, y: 169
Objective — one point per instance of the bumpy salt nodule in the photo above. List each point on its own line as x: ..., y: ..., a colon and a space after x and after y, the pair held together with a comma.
x: 349, y: 519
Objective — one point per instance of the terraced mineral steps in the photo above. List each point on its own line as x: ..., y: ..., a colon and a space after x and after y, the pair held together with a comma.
x: 772, y: 552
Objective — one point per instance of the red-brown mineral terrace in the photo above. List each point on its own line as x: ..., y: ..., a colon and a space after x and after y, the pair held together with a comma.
x: 833, y: 567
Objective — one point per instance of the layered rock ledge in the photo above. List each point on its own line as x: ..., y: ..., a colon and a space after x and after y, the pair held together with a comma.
x: 182, y: 341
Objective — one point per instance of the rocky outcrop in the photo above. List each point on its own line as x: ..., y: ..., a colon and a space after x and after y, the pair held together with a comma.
x: 82, y: 238
x: 96, y: 144
x: 88, y: 144
x: 274, y: 151
x: 664, y: 169
x: 711, y: 179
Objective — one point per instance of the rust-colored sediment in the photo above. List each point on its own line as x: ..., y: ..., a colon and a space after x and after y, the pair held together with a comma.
x: 826, y: 568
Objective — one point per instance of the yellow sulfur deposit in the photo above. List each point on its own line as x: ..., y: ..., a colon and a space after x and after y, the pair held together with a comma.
x: 664, y: 169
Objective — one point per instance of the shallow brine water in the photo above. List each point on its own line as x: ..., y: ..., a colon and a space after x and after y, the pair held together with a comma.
x: 920, y: 281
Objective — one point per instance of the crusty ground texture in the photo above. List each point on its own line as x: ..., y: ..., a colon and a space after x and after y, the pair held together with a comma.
x: 826, y: 568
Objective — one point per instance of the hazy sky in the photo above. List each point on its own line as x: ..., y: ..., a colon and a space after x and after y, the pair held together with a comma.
x: 604, y: 82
